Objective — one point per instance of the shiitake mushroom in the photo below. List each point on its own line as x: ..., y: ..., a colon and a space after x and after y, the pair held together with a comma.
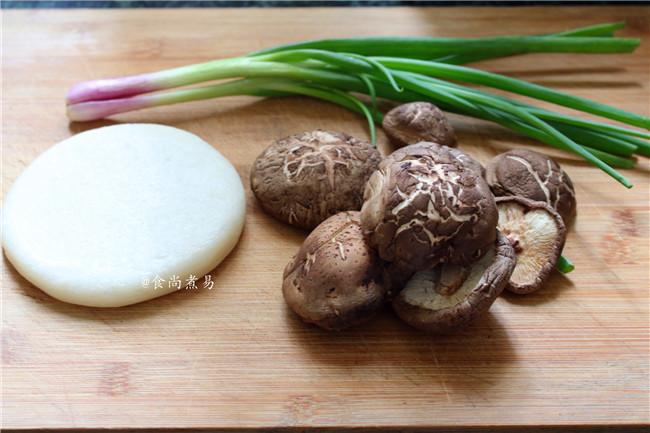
x: 430, y: 232
x: 335, y: 280
x: 422, y: 208
x: 449, y: 297
x: 537, y: 234
x: 433, y: 149
x: 305, y: 178
x: 535, y: 176
x: 413, y: 122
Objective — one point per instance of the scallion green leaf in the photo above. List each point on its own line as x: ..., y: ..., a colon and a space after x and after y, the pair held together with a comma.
x: 397, y: 69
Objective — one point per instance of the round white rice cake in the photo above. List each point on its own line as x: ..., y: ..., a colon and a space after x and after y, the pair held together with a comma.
x: 122, y: 214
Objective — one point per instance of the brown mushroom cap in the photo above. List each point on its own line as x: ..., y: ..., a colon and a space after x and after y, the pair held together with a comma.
x: 432, y: 149
x: 423, y: 209
x: 336, y: 279
x: 449, y: 297
x: 535, y: 176
x: 305, y: 178
x: 418, y: 121
x: 537, y: 234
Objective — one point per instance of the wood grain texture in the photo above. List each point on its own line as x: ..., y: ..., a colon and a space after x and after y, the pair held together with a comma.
x: 574, y: 353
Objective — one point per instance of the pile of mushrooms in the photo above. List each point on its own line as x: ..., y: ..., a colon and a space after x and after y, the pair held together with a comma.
x: 427, y: 229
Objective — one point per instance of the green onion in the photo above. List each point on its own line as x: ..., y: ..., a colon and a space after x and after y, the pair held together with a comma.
x: 564, y: 265
x: 434, y: 47
x: 397, y: 69
x: 597, y: 30
x: 462, y: 73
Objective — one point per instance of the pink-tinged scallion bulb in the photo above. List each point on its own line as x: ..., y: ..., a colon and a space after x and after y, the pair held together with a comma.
x: 94, y: 110
x: 113, y: 88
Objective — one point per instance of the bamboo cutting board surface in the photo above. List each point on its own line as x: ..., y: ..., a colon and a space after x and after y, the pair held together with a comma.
x: 574, y: 353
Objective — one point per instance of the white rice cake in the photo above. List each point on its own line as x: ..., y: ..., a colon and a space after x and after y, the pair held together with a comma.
x: 122, y: 214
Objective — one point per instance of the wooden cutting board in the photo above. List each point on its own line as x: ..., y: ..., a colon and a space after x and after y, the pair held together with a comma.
x: 574, y: 353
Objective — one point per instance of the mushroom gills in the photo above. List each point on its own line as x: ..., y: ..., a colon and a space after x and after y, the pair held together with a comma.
x: 522, y: 228
x: 446, y: 285
x: 537, y: 234
x: 448, y: 297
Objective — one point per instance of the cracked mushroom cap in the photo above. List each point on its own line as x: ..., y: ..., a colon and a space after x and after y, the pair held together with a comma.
x: 535, y: 176
x: 418, y: 121
x: 422, y: 209
x: 305, y: 178
x: 336, y: 279
x: 449, y: 297
x: 537, y: 234
x: 432, y: 149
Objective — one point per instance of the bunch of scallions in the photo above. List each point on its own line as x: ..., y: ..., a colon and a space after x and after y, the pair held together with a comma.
x: 400, y: 69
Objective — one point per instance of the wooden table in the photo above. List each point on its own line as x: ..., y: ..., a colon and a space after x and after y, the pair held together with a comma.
x: 574, y: 353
